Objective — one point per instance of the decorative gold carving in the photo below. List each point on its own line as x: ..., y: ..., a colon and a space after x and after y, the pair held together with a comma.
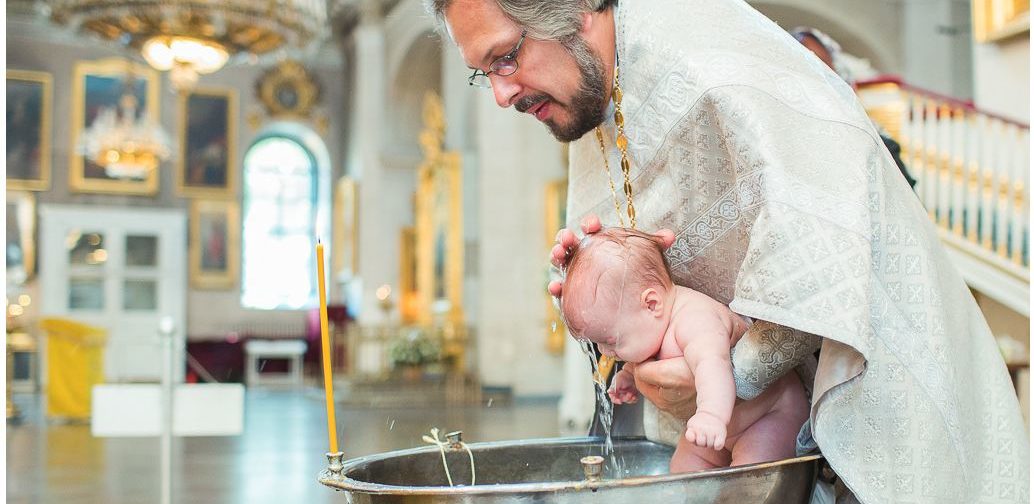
x: 439, y: 222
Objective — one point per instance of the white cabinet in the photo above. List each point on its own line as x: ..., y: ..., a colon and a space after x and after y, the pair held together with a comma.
x: 122, y: 269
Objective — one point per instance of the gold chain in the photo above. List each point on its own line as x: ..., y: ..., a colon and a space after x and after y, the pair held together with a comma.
x: 606, y: 171
x: 622, y: 143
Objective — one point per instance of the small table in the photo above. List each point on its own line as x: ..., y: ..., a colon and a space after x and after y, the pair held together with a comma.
x: 290, y: 349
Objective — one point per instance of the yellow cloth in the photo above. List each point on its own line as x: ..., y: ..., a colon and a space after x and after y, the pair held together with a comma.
x: 75, y: 363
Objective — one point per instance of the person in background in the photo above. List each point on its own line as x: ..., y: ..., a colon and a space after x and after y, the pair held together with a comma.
x: 828, y: 50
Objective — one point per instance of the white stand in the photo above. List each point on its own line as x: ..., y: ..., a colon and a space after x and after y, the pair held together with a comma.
x: 293, y: 350
x: 165, y: 332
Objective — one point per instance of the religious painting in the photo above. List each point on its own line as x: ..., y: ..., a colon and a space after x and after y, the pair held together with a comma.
x: 345, y: 230
x: 996, y: 20
x: 21, y: 237
x: 28, y: 130
x: 97, y: 88
x: 556, y: 218
x: 214, y: 244
x: 206, y: 165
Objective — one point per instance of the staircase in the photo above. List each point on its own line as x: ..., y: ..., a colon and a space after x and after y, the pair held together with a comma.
x: 973, y: 172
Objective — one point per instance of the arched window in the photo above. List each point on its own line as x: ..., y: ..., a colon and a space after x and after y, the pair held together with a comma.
x: 279, y: 225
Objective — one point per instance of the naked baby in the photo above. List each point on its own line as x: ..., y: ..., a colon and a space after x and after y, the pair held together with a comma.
x: 618, y: 293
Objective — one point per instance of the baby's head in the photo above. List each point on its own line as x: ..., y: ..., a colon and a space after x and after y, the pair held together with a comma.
x: 617, y: 293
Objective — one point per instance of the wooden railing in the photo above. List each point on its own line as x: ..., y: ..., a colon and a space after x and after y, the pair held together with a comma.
x: 973, y: 172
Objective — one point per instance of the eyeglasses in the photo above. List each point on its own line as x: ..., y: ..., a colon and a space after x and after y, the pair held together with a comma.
x: 504, y: 66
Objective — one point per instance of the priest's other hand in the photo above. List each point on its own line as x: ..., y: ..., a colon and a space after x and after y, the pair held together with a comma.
x: 567, y: 243
x: 668, y: 384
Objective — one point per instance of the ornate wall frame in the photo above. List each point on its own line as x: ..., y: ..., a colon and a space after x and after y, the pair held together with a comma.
x: 188, y: 152
x: 345, y: 230
x: 21, y: 236
x: 42, y: 128
x: 205, y: 237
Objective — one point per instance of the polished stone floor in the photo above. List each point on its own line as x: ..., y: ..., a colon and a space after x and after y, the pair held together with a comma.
x: 275, y: 460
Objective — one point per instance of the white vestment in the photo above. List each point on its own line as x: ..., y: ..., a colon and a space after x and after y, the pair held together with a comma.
x: 787, y: 206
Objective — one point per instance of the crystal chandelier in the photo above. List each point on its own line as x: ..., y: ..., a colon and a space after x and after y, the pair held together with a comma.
x: 192, y: 37
x: 126, y: 146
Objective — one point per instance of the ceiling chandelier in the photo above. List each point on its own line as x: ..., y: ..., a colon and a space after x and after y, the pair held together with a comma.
x: 191, y: 37
x: 126, y: 146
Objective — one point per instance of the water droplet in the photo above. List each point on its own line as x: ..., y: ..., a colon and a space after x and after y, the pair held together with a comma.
x: 554, y: 327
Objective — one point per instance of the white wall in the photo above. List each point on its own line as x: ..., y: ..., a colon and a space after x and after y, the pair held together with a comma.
x: 518, y: 157
x: 938, y: 56
x: 1001, y: 75
x: 868, y: 29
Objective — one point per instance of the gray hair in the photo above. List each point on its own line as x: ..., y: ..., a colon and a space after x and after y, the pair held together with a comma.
x: 544, y: 19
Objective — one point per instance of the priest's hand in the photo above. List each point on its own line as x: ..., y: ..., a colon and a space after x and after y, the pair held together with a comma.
x: 668, y: 384
x: 567, y: 243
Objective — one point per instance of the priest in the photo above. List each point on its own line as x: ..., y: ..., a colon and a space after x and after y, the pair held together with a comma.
x: 706, y: 118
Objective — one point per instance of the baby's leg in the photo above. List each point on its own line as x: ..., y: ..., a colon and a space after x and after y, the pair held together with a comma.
x: 774, y: 435
x: 689, y: 457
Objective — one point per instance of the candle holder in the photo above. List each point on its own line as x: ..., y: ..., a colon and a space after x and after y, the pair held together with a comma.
x: 384, y: 300
x: 334, y: 465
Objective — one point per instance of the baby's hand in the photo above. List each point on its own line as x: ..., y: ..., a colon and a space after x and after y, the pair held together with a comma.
x: 622, y: 389
x: 706, y: 431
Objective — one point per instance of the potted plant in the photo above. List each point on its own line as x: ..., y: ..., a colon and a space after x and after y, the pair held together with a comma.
x: 412, y: 351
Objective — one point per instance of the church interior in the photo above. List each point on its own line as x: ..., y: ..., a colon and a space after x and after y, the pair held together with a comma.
x: 168, y: 188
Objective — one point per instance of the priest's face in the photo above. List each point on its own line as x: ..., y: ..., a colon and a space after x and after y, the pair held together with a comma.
x: 562, y: 85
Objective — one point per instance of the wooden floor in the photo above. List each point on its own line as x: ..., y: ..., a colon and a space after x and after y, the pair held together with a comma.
x: 275, y: 460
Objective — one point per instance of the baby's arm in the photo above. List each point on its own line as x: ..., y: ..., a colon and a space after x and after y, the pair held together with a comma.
x: 705, y: 344
x: 622, y: 388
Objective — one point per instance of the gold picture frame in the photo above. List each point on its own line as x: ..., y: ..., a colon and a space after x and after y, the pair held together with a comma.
x: 98, y: 84
x: 345, y: 231
x: 29, y: 102
x: 207, y: 163
x: 215, y: 237
x: 556, y: 218
x: 409, y: 295
x: 21, y: 237
x: 997, y: 20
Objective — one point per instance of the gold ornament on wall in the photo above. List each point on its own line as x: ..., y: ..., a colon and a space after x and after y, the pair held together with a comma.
x: 288, y: 90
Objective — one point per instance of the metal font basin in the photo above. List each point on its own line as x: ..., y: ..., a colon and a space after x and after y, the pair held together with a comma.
x: 549, y: 470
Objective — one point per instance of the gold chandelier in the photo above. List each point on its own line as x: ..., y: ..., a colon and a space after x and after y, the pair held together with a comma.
x: 127, y: 146
x: 191, y: 37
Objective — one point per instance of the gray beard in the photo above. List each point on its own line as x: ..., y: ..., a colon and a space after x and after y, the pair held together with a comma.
x: 589, y: 103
